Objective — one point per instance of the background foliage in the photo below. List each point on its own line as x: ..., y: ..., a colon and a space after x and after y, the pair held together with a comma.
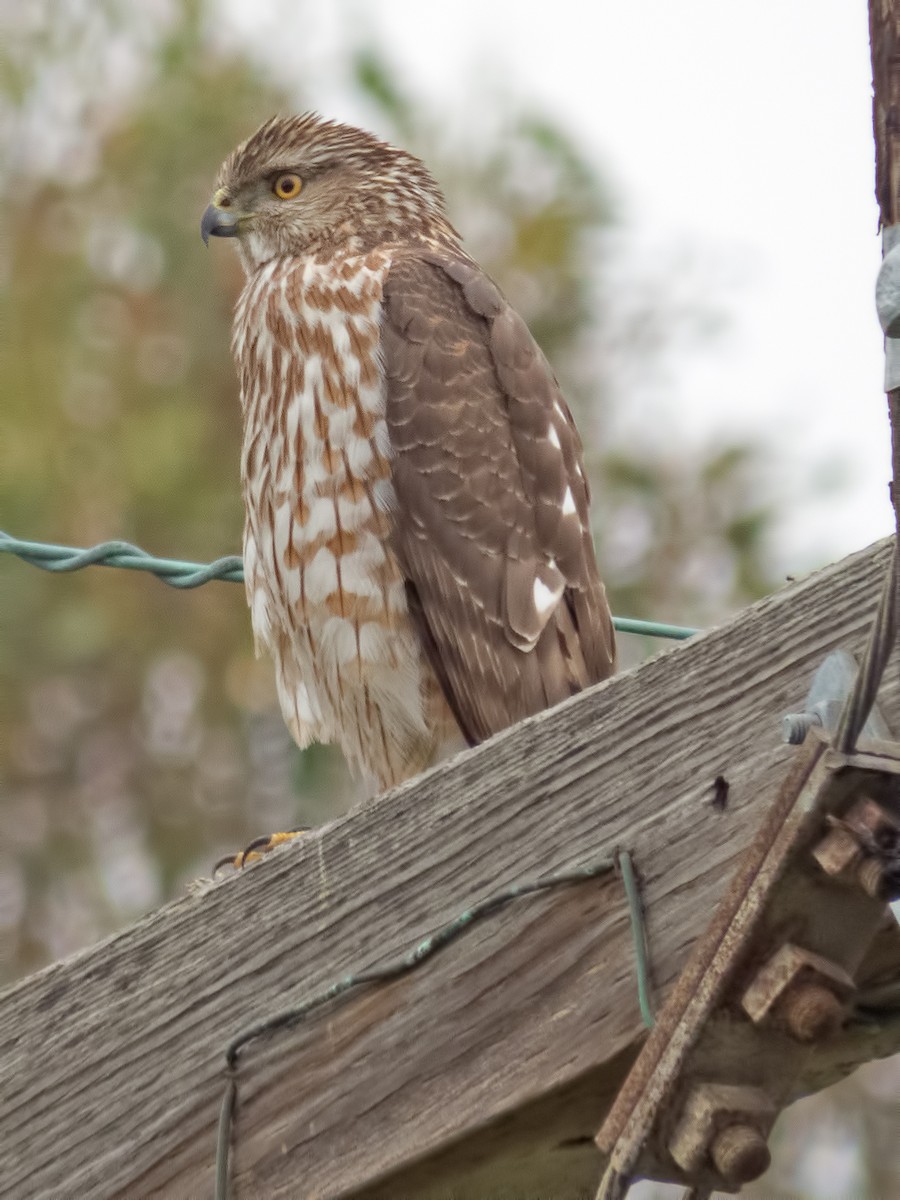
x: 139, y: 738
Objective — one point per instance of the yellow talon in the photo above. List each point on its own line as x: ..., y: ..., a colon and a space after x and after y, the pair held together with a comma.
x: 258, y: 849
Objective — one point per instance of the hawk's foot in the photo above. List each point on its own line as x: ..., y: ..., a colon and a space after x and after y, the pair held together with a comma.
x: 258, y: 848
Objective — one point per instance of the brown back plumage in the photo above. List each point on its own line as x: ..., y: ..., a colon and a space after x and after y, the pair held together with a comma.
x: 492, y: 501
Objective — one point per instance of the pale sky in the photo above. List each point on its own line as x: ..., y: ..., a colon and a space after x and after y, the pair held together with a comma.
x: 740, y: 135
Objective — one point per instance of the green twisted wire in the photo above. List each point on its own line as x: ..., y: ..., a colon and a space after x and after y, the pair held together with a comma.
x: 177, y: 573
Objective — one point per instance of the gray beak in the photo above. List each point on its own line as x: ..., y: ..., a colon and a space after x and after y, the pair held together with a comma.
x: 218, y: 222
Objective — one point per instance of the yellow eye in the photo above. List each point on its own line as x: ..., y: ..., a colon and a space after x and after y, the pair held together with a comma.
x: 287, y: 186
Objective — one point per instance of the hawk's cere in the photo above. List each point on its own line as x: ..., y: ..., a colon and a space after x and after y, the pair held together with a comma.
x: 417, y: 550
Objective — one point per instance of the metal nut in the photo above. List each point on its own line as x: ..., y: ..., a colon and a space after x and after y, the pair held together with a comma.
x: 838, y: 853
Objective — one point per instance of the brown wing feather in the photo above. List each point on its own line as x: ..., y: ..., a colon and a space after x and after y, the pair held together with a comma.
x: 491, y: 527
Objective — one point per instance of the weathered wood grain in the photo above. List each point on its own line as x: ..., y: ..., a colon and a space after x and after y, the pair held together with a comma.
x: 487, y: 1071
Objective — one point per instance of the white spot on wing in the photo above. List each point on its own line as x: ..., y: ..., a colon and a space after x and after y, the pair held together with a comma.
x: 545, y: 598
x: 554, y: 437
x: 568, y: 504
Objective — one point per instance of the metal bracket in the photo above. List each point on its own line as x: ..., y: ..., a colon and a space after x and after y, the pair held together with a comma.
x: 766, y: 1006
x: 828, y: 692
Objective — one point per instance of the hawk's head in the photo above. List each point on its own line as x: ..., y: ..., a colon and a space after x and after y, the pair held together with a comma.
x: 302, y: 184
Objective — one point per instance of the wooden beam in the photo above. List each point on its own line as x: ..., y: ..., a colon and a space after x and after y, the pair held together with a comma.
x: 487, y: 1071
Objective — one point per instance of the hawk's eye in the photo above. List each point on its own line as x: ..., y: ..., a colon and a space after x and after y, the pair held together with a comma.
x: 287, y: 186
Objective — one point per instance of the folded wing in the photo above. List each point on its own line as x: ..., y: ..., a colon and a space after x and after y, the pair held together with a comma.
x: 491, y: 525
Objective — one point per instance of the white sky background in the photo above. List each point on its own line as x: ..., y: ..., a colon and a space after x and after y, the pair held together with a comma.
x: 738, y: 135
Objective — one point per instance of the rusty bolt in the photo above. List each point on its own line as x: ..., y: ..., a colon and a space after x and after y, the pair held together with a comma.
x: 874, y: 879
x: 723, y: 1125
x: 811, y: 1012
x: 740, y: 1154
x: 864, y: 848
x: 801, y: 990
x: 877, y: 834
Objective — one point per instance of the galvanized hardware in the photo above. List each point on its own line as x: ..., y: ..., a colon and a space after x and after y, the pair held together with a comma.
x: 887, y: 304
x: 887, y: 285
x: 830, y: 687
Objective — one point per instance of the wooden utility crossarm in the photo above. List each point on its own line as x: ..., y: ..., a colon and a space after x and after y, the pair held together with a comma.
x: 487, y: 1071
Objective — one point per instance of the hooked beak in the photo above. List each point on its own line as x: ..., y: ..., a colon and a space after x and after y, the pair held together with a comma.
x: 218, y: 222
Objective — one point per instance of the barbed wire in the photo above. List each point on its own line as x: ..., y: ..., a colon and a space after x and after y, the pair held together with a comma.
x: 173, y: 571
x: 230, y: 569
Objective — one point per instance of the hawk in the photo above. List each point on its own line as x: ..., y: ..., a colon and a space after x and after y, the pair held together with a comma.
x: 417, y: 552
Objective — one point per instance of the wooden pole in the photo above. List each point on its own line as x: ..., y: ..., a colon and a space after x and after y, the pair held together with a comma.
x: 487, y: 1070
x: 884, y: 35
